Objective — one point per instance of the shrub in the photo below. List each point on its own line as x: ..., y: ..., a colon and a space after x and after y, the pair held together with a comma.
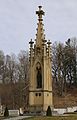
x: 48, y: 112
x: 6, y: 112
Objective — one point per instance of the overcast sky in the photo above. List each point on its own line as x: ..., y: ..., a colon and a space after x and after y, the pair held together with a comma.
x: 18, y: 22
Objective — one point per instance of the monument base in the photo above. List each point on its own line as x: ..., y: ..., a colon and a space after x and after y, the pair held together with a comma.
x: 38, y: 110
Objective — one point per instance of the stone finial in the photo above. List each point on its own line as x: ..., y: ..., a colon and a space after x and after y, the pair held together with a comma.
x: 40, y: 12
x: 48, y: 42
x: 31, y: 43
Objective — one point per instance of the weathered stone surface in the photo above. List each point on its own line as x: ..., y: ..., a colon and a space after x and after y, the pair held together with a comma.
x: 13, y: 112
x: 40, y: 88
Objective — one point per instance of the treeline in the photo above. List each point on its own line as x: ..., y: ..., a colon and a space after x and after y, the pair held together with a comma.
x: 13, y: 68
x: 64, y: 65
x: 14, y: 79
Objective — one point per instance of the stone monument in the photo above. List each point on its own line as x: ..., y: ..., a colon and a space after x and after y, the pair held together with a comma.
x: 40, y: 85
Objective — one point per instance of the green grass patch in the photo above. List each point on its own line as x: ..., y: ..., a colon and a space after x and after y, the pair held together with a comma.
x: 2, y: 117
x: 53, y: 118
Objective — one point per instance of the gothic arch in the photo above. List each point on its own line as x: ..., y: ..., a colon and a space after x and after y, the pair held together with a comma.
x: 38, y: 75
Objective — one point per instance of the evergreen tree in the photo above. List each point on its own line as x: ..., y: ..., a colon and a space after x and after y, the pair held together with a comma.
x: 49, y: 112
x: 6, y: 113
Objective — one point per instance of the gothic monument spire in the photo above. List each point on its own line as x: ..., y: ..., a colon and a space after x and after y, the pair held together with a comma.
x: 40, y: 31
x: 40, y: 87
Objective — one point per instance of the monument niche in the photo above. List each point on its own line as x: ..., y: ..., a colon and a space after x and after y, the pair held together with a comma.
x: 40, y: 85
x: 39, y: 76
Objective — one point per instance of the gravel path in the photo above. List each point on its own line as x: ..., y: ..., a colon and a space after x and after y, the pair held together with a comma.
x: 18, y: 118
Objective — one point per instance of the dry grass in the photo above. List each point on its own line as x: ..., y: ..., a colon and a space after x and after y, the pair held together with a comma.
x: 54, y: 118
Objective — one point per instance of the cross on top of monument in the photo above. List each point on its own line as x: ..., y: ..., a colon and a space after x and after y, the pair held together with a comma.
x: 40, y: 13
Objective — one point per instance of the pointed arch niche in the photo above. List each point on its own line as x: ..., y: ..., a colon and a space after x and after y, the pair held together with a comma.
x: 38, y: 75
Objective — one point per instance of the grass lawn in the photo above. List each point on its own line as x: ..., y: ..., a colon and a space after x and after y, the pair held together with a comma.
x: 1, y: 118
x: 53, y: 118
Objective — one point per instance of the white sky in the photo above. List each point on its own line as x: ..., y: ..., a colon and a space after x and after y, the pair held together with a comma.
x: 18, y: 22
